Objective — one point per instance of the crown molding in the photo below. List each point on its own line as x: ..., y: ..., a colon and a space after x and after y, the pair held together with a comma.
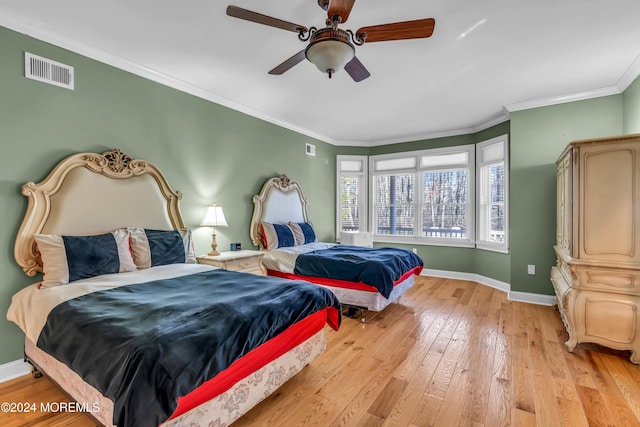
x: 630, y: 75
x: 58, y: 39
x: 555, y: 100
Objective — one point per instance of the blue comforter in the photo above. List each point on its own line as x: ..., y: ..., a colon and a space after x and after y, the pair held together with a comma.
x: 145, y: 345
x: 378, y: 267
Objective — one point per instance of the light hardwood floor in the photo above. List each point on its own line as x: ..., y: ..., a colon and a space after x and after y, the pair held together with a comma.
x: 451, y: 353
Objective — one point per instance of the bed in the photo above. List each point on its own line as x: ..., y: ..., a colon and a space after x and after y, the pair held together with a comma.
x: 124, y: 311
x: 362, y: 278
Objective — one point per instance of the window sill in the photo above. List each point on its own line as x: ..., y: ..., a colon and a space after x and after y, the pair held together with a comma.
x: 492, y: 248
x: 408, y: 240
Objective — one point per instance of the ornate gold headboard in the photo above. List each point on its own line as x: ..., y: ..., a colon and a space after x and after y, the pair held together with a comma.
x: 280, y: 201
x: 89, y: 193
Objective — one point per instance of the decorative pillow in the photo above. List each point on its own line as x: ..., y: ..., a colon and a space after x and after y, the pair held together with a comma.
x: 277, y: 235
x: 304, y: 232
x: 69, y: 258
x: 151, y: 248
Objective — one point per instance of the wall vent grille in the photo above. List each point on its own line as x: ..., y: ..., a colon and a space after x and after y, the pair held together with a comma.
x: 48, y: 71
x: 310, y: 149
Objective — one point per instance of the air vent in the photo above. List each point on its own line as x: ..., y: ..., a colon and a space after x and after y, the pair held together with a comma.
x: 310, y: 149
x: 48, y: 71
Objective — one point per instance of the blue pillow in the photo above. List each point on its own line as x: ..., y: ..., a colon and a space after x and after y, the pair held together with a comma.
x: 304, y: 232
x: 277, y: 235
x: 69, y: 258
x: 151, y: 248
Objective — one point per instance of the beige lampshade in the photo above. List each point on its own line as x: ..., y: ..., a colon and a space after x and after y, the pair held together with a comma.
x: 214, y: 217
x: 330, y: 55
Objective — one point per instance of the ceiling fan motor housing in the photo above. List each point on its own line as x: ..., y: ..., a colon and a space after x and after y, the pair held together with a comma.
x: 330, y: 49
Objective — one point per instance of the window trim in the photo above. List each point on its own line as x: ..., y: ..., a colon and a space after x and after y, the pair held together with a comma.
x: 469, y: 241
x: 483, y: 244
x: 364, y: 182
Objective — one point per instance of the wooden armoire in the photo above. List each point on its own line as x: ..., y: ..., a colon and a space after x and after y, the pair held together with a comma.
x: 597, y: 276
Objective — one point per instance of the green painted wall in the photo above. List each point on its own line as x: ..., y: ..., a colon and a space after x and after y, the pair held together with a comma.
x: 538, y: 136
x: 493, y: 131
x: 208, y: 152
x: 449, y: 141
x: 214, y: 154
x: 631, y: 99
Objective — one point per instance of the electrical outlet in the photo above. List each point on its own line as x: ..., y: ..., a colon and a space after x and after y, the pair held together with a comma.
x: 531, y: 269
x: 415, y: 250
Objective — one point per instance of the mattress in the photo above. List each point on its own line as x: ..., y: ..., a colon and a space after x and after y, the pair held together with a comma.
x: 30, y: 308
x: 281, y: 263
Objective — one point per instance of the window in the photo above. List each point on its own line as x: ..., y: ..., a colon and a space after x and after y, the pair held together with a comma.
x: 492, y: 192
x: 351, y: 193
x: 394, y: 204
x: 424, y: 196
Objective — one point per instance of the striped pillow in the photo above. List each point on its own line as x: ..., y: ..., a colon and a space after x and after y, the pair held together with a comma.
x: 277, y: 235
x: 151, y: 248
x: 304, y: 232
x: 69, y: 258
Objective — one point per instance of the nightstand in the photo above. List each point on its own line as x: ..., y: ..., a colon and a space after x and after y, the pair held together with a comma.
x: 245, y: 261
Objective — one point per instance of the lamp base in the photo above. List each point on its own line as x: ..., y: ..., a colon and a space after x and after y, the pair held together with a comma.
x: 214, y: 244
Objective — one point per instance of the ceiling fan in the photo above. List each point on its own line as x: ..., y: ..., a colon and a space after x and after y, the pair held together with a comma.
x: 331, y: 48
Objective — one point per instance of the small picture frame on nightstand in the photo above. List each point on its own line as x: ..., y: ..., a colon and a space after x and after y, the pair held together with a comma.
x: 235, y: 247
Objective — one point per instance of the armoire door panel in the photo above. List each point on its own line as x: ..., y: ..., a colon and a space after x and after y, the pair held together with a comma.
x: 607, y: 211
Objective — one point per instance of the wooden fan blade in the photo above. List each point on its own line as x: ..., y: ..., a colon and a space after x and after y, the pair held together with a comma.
x: 356, y: 70
x: 289, y: 63
x: 247, y: 15
x: 418, y: 29
x: 342, y: 8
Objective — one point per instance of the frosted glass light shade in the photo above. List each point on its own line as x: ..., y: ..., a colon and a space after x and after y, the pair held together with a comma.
x: 214, y: 217
x: 330, y: 55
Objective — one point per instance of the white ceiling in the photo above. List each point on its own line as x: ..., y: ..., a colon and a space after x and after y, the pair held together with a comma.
x: 484, y: 60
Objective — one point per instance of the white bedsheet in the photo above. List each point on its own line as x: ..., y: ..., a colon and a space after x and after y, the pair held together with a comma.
x: 30, y: 307
x: 284, y: 259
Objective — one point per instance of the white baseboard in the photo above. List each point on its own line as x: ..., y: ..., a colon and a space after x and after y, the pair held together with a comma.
x: 527, y: 297
x: 539, y: 299
x: 15, y: 369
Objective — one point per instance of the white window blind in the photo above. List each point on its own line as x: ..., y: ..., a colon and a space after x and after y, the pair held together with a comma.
x: 395, y: 164
x: 351, y: 165
x: 424, y: 196
x: 445, y: 204
x: 492, y: 190
x: 444, y: 160
x: 351, y: 193
x: 395, y: 213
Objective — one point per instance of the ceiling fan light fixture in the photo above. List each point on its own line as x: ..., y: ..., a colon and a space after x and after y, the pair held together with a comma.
x: 330, y: 50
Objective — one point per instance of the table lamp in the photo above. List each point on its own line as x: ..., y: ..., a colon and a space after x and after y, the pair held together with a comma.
x: 214, y: 217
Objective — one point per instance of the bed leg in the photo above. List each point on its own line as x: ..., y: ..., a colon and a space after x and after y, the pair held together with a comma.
x: 353, y: 309
x: 35, y: 372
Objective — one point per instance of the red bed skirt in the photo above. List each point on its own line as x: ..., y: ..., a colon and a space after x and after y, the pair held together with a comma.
x: 341, y: 283
x: 257, y: 358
